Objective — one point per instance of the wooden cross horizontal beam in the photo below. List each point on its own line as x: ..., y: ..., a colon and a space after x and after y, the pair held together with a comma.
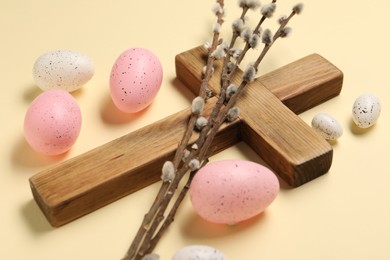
x: 89, y: 181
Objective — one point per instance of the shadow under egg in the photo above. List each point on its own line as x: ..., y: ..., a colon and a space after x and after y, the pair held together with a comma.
x: 31, y: 93
x: 197, y: 227
x: 358, y: 130
x: 110, y: 114
x: 24, y: 155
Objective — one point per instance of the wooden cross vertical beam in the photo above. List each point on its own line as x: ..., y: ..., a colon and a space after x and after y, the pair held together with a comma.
x: 89, y: 181
x: 284, y: 141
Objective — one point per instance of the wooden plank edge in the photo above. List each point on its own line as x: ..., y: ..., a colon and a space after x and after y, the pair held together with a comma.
x: 185, y: 72
x: 77, y: 205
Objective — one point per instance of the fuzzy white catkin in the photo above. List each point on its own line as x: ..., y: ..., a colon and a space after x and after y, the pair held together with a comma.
x: 201, y: 122
x: 285, y: 32
x: 235, y: 52
x: 194, y: 164
x: 195, y: 147
x: 168, y: 172
x: 267, y: 37
x: 233, y: 114
x: 254, y: 41
x: 186, y: 154
x: 249, y: 74
x: 298, y: 8
x: 204, y: 70
x: 238, y: 25
x: 216, y: 27
x: 197, y: 105
x: 217, y: 9
x: 268, y: 10
x: 246, y: 34
x: 282, y: 19
x: 220, y: 51
x: 251, y: 4
x: 230, y: 66
x: 230, y: 91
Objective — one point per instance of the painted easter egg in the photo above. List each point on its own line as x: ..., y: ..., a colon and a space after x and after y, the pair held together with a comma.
x: 198, y: 252
x: 135, y: 80
x: 327, y: 126
x: 366, y: 110
x: 52, y: 122
x: 231, y: 191
x: 62, y: 69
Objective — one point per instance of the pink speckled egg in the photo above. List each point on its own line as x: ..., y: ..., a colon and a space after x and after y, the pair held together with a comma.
x: 231, y: 191
x: 52, y: 122
x: 135, y: 80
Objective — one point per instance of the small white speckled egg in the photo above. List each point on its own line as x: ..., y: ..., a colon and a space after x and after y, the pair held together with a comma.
x: 135, y: 80
x: 327, y: 126
x: 62, y: 69
x: 195, y: 252
x: 366, y: 110
x: 231, y: 191
x: 52, y: 122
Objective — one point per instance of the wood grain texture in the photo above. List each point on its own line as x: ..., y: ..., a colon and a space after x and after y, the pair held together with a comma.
x: 292, y: 149
x: 98, y: 177
x: 91, y: 180
x: 300, y: 85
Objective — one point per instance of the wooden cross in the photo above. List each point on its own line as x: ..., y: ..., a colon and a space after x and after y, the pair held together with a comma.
x: 267, y: 122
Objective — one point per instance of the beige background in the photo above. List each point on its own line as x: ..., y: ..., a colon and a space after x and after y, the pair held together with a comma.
x: 341, y: 215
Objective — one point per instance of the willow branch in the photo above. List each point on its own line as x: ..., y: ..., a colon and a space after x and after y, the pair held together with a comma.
x: 155, y: 223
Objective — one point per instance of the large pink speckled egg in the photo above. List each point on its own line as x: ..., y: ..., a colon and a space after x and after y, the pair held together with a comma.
x: 231, y: 191
x: 52, y: 122
x: 135, y: 80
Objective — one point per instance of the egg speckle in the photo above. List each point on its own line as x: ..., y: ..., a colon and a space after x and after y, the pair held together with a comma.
x: 135, y: 80
x: 62, y: 69
x: 366, y: 110
x: 232, y: 191
x: 194, y: 252
x: 327, y: 126
x: 52, y: 122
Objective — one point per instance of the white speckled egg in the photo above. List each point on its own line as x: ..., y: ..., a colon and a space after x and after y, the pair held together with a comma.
x: 135, y: 80
x: 62, y: 69
x: 231, y: 191
x: 366, y: 110
x: 327, y: 126
x: 198, y: 252
x: 52, y: 122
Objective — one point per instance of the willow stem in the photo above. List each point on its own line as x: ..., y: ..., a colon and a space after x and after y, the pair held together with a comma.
x: 155, y: 223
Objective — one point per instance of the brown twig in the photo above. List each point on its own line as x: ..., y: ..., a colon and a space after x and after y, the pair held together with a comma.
x: 144, y: 231
x: 155, y: 223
